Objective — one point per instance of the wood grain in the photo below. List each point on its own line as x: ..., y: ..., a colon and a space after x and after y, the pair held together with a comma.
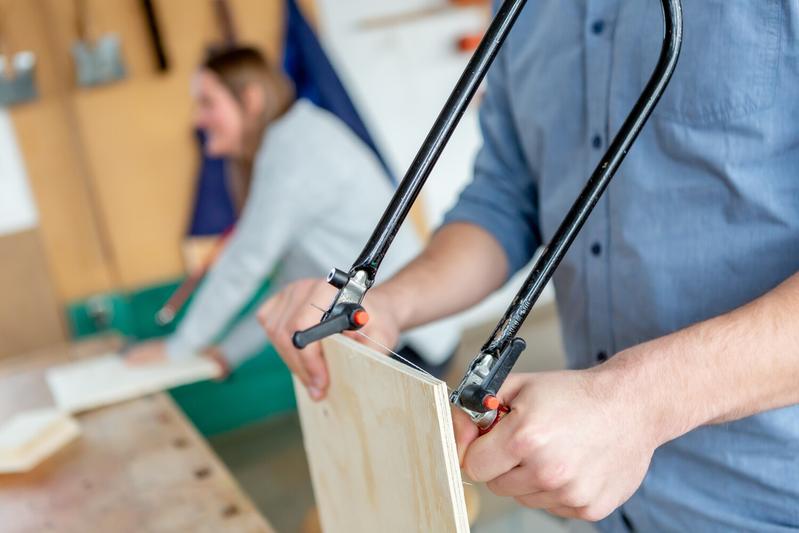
x: 380, y: 447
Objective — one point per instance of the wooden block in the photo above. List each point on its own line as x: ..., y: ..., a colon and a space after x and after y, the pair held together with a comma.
x: 32, y: 436
x: 380, y: 447
x: 94, y: 383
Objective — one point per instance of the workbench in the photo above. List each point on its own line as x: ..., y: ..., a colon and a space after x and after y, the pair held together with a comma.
x: 137, y: 466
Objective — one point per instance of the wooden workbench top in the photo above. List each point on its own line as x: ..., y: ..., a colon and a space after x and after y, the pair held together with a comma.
x: 138, y: 466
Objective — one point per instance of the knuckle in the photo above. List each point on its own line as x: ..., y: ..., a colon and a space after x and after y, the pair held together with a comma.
x: 574, y: 498
x: 592, y: 513
x: 521, y: 500
x: 552, y: 477
x: 525, y: 442
x: 261, y: 315
x: 272, y: 333
x: 471, y: 473
x: 283, y: 339
x: 299, y: 323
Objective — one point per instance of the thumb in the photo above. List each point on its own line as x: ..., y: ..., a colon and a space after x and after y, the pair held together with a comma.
x: 465, y: 432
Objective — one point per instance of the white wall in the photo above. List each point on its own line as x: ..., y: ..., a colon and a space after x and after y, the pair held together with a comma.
x: 399, y: 77
x: 17, y: 209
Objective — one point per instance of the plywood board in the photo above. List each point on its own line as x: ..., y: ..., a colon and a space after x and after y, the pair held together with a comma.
x: 94, y: 383
x: 380, y: 447
x: 32, y: 436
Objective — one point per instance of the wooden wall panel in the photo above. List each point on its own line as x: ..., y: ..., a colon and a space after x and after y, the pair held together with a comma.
x: 29, y: 317
x: 140, y: 148
x: 260, y: 23
x: 68, y: 225
x: 112, y: 168
x: 142, y: 160
x: 22, y: 28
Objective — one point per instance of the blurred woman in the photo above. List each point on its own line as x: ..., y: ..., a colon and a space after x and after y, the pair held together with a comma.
x: 310, y: 193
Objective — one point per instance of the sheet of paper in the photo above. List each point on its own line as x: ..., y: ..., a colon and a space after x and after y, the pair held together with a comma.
x: 94, y: 383
x: 30, y: 437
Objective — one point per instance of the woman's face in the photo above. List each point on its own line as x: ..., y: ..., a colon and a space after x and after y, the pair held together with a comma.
x: 219, y: 114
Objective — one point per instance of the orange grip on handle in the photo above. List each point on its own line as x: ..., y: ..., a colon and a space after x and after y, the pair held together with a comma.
x: 502, y: 410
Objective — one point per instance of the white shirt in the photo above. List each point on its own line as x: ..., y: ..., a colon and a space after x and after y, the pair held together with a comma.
x: 316, y: 195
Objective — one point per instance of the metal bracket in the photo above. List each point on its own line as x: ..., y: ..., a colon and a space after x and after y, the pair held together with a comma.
x: 345, y: 313
x: 476, y: 394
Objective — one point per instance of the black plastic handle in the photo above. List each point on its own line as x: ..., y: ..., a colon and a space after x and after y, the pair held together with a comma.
x: 331, y: 326
x: 345, y: 316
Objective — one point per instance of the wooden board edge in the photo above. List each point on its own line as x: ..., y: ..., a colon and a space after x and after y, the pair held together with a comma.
x: 451, y: 451
x: 61, y: 433
x: 382, y: 359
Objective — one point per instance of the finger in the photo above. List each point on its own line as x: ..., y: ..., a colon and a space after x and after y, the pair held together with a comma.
x: 517, y: 482
x: 144, y: 355
x: 465, y: 432
x: 287, y: 311
x: 513, y: 385
x: 564, y: 512
x: 487, y: 458
x: 268, y: 316
x: 311, y: 358
x: 135, y: 360
x: 266, y: 310
x: 313, y: 364
x: 541, y: 500
x: 357, y: 337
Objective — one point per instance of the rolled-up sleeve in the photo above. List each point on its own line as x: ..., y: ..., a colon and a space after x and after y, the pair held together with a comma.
x: 502, y: 197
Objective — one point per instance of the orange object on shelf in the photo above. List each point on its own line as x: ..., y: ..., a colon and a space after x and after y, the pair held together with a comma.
x: 470, y: 42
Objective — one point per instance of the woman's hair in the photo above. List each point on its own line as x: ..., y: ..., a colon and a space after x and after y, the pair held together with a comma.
x: 237, y: 68
x: 240, y: 66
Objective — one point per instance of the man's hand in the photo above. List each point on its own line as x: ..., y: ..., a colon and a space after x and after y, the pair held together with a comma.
x: 573, y: 444
x: 461, y: 265
x: 296, y: 307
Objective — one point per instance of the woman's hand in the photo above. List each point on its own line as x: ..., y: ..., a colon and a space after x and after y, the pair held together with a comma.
x: 146, y: 353
x: 297, y: 307
x: 154, y: 352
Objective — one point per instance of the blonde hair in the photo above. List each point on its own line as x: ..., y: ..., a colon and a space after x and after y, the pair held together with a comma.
x: 237, y: 68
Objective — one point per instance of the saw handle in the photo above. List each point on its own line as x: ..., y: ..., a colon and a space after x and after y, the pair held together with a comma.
x: 347, y: 316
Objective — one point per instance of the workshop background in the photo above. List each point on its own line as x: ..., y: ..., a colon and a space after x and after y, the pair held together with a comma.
x: 107, y: 204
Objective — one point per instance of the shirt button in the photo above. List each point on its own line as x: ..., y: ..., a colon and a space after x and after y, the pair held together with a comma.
x: 596, y: 142
x: 596, y: 248
x: 598, y: 27
x: 602, y: 357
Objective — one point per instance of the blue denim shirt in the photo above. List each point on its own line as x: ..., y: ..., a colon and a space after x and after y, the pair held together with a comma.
x: 702, y: 217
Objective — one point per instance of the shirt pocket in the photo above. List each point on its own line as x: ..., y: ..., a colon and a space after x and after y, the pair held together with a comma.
x: 728, y: 63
